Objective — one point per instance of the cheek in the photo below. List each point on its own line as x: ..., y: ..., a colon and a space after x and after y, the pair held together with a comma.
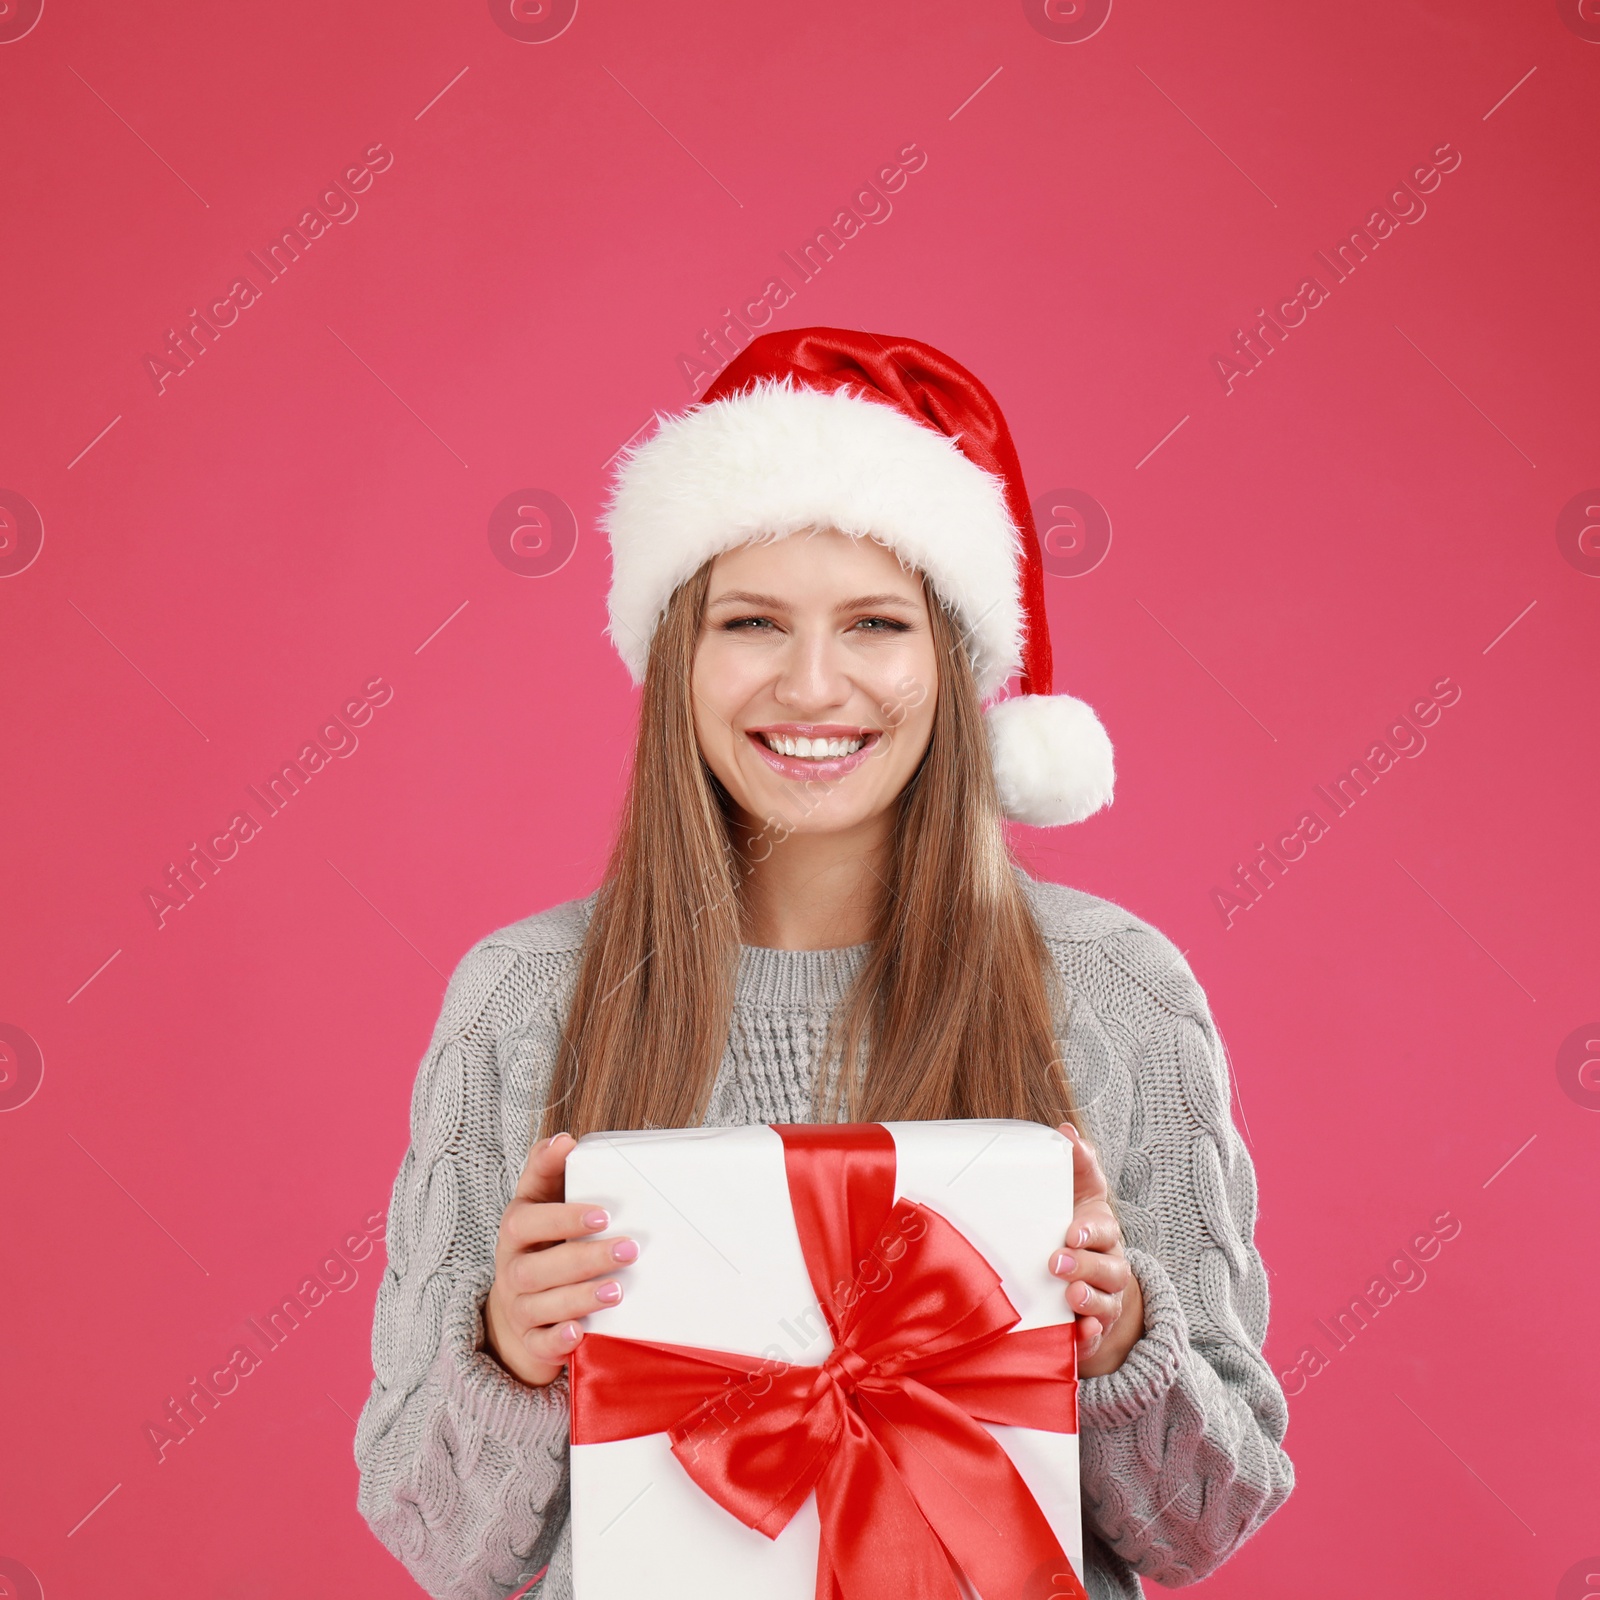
x: 722, y: 684
x: 707, y: 683
x: 906, y: 693
x: 913, y: 737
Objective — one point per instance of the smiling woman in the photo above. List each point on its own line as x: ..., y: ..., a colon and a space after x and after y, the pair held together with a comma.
x: 811, y: 914
x: 794, y: 690
x: 781, y: 639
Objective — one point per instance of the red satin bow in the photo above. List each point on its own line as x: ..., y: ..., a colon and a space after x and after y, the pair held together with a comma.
x: 887, y: 1431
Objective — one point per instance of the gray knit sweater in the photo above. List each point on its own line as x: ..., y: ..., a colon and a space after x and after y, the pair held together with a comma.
x: 463, y: 1468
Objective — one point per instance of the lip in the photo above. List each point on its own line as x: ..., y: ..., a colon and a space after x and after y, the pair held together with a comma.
x: 798, y: 770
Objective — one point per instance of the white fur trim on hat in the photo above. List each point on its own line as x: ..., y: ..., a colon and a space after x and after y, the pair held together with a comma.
x: 1052, y: 759
x: 777, y: 458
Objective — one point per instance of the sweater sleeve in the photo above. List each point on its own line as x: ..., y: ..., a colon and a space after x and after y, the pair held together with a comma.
x: 462, y: 1466
x: 1182, y: 1444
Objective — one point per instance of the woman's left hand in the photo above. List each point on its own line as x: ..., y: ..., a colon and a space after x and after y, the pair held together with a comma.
x: 1101, y: 1287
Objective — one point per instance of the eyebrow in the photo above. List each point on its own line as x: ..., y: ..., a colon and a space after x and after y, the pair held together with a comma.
x: 774, y: 603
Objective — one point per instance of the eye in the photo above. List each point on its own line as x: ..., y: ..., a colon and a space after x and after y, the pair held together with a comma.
x: 883, y: 625
x: 749, y: 624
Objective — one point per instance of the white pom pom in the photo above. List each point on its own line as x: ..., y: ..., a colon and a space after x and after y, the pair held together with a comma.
x: 1052, y: 759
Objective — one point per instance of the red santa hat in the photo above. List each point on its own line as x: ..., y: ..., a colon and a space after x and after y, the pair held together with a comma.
x: 878, y: 437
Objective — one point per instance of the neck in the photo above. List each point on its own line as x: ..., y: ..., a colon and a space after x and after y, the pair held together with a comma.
x: 817, y: 891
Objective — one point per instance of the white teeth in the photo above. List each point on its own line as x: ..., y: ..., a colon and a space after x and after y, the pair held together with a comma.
x: 812, y: 749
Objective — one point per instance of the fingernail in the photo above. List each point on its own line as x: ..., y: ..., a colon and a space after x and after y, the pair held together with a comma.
x: 569, y: 1334
x: 610, y: 1293
x: 625, y: 1250
x: 555, y: 1136
x: 1062, y: 1262
x: 1081, y: 1237
x: 596, y: 1218
x: 1070, y: 1131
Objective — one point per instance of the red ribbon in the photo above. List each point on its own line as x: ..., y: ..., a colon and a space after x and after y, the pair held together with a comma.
x: 887, y: 1430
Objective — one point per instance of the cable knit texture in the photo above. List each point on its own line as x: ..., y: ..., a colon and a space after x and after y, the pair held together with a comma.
x: 464, y: 1469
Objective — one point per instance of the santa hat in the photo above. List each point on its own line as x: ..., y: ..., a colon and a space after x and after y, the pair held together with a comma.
x: 880, y: 437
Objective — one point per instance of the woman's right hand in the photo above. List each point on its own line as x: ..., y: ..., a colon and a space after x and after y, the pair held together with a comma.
x: 548, y: 1270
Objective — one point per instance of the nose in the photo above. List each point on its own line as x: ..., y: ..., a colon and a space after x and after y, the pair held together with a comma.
x: 812, y: 675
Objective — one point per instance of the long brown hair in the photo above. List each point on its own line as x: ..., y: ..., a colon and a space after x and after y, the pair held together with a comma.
x: 953, y: 1011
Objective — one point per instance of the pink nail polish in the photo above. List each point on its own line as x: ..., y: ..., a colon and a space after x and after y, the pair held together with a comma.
x: 597, y: 1218
x: 625, y: 1250
x: 1062, y: 1263
x: 569, y: 1334
x: 609, y: 1293
x: 1081, y: 1236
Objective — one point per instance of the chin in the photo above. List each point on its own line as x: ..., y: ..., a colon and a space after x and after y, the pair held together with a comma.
x: 797, y: 812
x: 816, y: 825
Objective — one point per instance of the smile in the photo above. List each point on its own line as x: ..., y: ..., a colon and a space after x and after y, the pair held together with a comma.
x: 816, y: 753
x: 811, y: 749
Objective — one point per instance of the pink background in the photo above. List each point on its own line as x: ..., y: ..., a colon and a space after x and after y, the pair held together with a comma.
x: 224, y: 1097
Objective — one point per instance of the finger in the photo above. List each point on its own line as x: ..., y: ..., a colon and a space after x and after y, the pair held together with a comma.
x: 569, y: 1303
x: 1090, y: 1302
x: 1088, y: 1176
x: 1094, y: 1281
x: 528, y: 1223
x: 554, y: 1344
x: 575, y: 1262
x: 1094, y: 1226
x: 544, y: 1173
x: 1094, y: 1267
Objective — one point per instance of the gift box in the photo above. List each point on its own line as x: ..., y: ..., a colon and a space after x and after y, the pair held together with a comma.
x: 841, y: 1367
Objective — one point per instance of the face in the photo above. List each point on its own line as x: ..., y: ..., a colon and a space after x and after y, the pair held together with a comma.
x: 815, y: 678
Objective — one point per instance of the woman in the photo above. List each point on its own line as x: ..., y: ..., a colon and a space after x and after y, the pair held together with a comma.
x: 810, y: 913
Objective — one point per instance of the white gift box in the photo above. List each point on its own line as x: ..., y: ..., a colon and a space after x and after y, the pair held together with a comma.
x: 721, y: 1268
